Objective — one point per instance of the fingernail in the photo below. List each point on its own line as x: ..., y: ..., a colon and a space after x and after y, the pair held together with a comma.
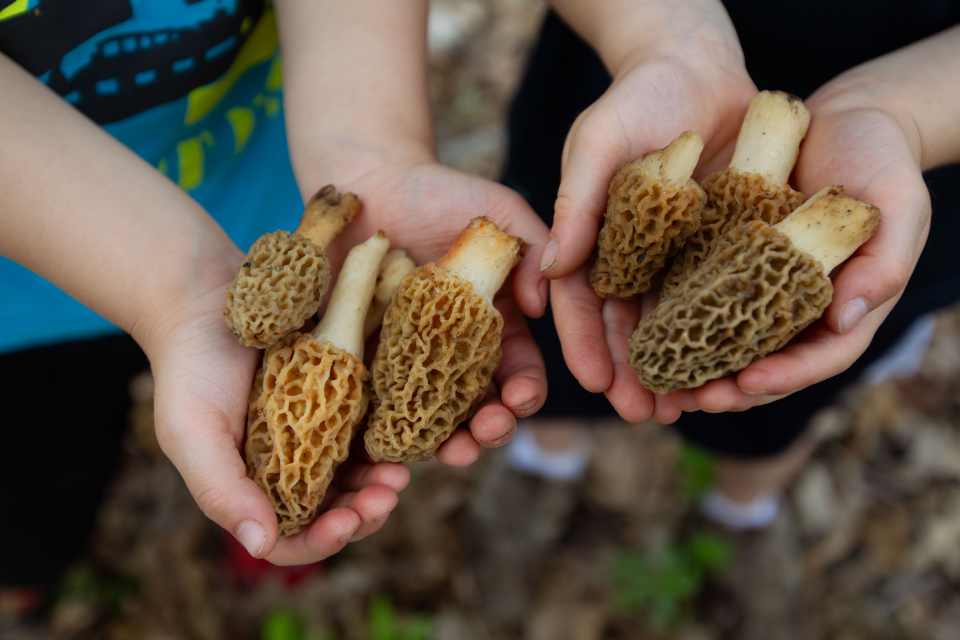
x: 498, y: 440
x: 852, y: 313
x: 755, y: 393
x: 251, y: 536
x: 526, y: 406
x: 383, y: 517
x: 585, y: 387
x: 345, y: 539
x: 549, y: 259
x: 544, y: 290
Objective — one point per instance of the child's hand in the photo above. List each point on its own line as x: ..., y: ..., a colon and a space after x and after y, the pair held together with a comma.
x: 868, y: 151
x: 423, y: 206
x: 203, y: 377
x: 648, y: 105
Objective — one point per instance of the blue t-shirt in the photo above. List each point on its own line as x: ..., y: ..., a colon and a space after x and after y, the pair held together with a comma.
x: 194, y: 88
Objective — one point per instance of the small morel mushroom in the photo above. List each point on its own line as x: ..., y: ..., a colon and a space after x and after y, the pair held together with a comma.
x: 754, y: 187
x: 758, y: 288
x: 285, y: 275
x: 653, y: 206
x: 439, y: 346
x: 309, y: 394
x: 395, y: 265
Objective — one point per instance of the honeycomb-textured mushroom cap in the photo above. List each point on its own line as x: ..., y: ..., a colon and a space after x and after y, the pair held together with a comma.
x: 276, y: 289
x: 439, y: 348
x: 284, y: 277
x: 733, y: 198
x: 648, y: 218
x: 299, y: 428
x: 751, y: 295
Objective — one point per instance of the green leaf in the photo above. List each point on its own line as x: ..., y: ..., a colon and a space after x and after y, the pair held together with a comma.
x: 281, y: 625
x: 697, y: 470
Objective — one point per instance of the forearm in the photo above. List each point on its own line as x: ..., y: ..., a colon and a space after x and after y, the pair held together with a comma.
x: 355, y: 86
x: 620, y: 30
x: 918, y: 85
x: 83, y: 211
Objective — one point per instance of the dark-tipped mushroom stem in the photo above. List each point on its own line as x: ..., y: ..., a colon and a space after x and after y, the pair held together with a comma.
x: 326, y: 214
x: 830, y: 226
x: 769, y: 140
x: 482, y: 255
x: 342, y: 324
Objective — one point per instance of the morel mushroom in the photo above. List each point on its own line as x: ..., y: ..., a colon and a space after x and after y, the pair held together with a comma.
x: 285, y: 275
x: 754, y: 187
x: 758, y: 288
x: 439, y: 346
x: 310, y: 394
x: 653, y: 206
x: 395, y: 265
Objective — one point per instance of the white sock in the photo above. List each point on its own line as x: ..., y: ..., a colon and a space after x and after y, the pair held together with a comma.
x: 524, y: 454
x: 739, y: 516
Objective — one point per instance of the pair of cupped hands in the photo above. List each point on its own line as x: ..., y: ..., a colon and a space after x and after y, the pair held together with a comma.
x: 203, y: 375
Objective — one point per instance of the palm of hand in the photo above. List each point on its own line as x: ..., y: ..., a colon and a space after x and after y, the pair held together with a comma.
x: 643, y: 110
x: 422, y: 207
x: 870, y: 154
x: 203, y: 378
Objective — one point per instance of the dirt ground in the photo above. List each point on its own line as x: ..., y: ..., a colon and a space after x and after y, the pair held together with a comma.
x: 864, y: 547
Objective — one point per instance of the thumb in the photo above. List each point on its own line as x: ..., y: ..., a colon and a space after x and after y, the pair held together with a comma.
x: 589, y: 165
x: 214, y: 473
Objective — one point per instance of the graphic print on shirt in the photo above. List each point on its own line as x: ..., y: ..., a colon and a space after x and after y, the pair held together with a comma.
x: 115, y: 58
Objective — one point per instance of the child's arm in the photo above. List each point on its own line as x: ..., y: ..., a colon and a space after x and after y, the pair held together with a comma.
x: 358, y: 115
x: 83, y: 211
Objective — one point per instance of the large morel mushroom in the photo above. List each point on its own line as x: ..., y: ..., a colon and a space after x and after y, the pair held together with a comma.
x: 439, y: 345
x: 285, y: 275
x: 310, y: 394
x: 758, y: 288
x: 754, y: 186
x: 653, y: 206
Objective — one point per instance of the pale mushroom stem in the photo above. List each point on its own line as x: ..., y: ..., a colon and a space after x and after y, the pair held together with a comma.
x: 830, y: 226
x: 394, y: 266
x: 769, y: 140
x: 326, y: 214
x: 674, y: 164
x: 482, y: 255
x: 342, y: 325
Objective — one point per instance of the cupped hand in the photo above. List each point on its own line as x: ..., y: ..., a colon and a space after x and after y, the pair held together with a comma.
x: 423, y: 206
x: 647, y: 106
x: 875, y: 156
x: 203, y: 378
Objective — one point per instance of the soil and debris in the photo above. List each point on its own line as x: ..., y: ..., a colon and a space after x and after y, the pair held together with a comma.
x: 866, y: 544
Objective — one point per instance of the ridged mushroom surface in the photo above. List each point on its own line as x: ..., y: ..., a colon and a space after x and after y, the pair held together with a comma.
x: 652, y: 208
x: 439, y: 345
x: 753, y: 293
x: 309, y: 395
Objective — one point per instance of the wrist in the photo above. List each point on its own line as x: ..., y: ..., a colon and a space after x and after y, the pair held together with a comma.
x: 347, y: 161
x: 193, y: 294
x: 625, y: 33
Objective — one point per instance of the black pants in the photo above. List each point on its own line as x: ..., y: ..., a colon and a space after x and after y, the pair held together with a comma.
x: 66, y: 409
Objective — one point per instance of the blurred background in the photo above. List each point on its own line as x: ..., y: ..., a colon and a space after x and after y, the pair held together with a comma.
x: 865, y: 546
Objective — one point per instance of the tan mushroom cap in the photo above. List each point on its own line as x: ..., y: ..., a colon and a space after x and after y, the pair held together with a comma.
x: 754, y: 187
x: 754, y: 292
x: 653, y: 206
x: 302, y: 425
x: 308, y: 396
x: 439, y: 346
x: 285, y: 275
